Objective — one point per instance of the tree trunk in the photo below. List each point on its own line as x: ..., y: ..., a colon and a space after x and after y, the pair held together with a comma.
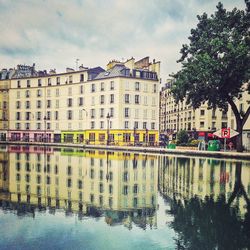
x: 239, y: 143
x: 239, y: 123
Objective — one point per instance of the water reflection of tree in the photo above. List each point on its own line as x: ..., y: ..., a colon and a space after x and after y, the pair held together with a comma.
x: 210, y: 223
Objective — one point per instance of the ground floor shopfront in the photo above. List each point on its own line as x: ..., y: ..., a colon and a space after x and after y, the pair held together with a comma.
x: 94, y: 137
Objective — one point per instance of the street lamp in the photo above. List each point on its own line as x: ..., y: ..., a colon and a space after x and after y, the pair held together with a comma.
x: 108, y: 119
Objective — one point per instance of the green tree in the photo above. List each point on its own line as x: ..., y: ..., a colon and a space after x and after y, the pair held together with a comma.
x: 182, y: 136
x: 216, y: 63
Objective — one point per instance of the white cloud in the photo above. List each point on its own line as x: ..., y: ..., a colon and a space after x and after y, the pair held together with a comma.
x: 54, y: 33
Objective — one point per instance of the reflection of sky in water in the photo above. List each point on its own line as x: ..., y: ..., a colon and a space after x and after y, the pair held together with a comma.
x: 177, y: 179
x: 48, y: 231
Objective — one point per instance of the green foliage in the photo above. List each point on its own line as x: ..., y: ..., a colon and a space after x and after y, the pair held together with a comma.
x: 182, y: 137
x: 216, y: 63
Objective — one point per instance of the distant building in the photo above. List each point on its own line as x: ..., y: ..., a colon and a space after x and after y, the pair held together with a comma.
x: 199, y: 123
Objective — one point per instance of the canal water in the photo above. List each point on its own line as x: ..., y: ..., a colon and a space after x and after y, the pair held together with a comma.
x: 61, y: 198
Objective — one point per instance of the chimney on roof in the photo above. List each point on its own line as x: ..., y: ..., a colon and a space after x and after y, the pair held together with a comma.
x: 68, y: 70
x: 81, y: 67
x: 52, y: 71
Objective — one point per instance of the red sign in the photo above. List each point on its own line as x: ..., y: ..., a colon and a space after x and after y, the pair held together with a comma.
x: 225, y: 133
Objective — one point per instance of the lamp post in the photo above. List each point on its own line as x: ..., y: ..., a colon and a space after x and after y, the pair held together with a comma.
x: 108, y: 119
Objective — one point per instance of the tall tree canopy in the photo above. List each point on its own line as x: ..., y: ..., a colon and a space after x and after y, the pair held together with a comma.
x: 216, y: 63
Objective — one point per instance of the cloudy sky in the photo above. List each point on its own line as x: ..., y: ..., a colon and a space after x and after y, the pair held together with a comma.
x: 54, y: 33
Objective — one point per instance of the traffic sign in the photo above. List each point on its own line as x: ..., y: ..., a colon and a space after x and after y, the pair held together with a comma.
x: 226, y: 133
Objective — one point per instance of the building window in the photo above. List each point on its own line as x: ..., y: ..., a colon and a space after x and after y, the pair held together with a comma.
x: 102, y: 99
x: 92, y: 87
x: 136, y: 125
x: 126, y: 97
x: 224, y: 125
x: 38, y: 126
x: 27, y: 126
x: 144, y: 125
x: 56, y: 115
x: 101, y: 112
x: 126, y: 112
x: 202, y: 112
x: 70, y: 79
x: 70, y: 114
x: 39, y: 82
x: 49, y: 81
x: 202, y: 124
x: 18, y: 104
x: 48, y: 115
x: 112, y: 98
x: 152, y: 125
x: 81, y: 77
x: 27, y: 104
x: 19, y: 84
x: 38, y: 115
x: 57, y: 103
x: 28, y: 83
x: 155, y: 88
x: 18, y: 116
x: 39, y: 93
x: 101, y: 124
x: 92, y: 113
x: 57, y: 92
x: 58, y: 80
x: 27, y: 116
x: 92, y: 125
x: 38, y: 104
x: 126, y: 124
x: 112, y: 85
x: 18, y: 125
x: 81, y: 89
x: 27, y: 93
x: 111, y: 112
x: 137, y: 86
x: 70, y: 102
x: 80, y: 101
x: 48, y: 125
x: 48, y: 103
x: 102, y: 86
x: 137, y: 99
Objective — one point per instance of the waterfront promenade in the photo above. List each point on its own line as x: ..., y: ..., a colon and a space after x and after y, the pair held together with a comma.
x: 140, y: 149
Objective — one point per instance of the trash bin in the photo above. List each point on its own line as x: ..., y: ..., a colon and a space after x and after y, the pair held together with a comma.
x: 213, y: 145
x: 171, y: 146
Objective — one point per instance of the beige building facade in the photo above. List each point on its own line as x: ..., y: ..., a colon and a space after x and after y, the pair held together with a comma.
x: 119, y: 105
x: 201, y: 122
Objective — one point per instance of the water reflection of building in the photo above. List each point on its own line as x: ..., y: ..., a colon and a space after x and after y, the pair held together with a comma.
x: 4, y: 174
x: 183, y: 178
x: 120, y: 186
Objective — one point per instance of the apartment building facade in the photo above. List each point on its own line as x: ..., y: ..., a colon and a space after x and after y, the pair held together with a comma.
x: 119, y: 105
x: 200, y: 123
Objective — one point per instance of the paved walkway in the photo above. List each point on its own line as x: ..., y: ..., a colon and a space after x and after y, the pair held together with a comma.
x: 155, y: 150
